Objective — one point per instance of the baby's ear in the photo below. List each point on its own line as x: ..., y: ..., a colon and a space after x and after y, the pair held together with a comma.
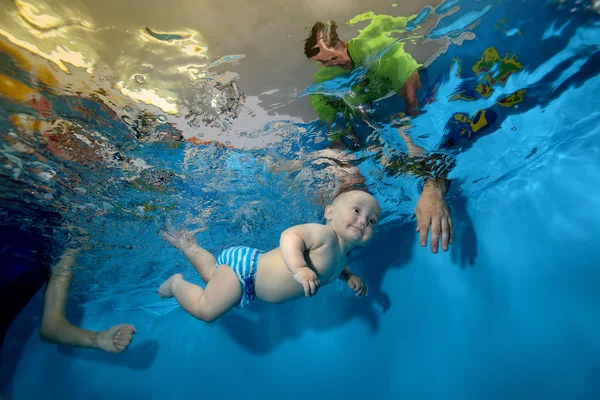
x: 328, y: 213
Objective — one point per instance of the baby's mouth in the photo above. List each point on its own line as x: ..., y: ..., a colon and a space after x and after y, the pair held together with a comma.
x: 358, y: 229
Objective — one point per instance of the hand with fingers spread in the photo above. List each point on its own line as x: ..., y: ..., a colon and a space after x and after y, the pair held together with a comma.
x: 358, y: 286
x: 432, y: 211
x: 116, y: 339
x: 309, y: 281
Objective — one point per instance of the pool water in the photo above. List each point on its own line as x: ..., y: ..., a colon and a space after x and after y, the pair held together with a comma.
x: 509, y: 311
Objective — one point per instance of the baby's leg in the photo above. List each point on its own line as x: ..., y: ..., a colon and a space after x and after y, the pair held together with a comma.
x: 204, y: 262
x: 222, y: 293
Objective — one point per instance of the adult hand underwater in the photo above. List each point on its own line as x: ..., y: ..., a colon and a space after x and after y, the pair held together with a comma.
x: 56, y: 328
x: 387, y: 67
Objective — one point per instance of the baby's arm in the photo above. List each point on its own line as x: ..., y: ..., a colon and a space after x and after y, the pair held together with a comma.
x: 346, y: 274
x: 294, y: 242
x: 354, y: 282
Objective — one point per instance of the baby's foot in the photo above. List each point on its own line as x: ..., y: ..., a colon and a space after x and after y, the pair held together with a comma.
x: 181, y: 239
x: 166, y: 289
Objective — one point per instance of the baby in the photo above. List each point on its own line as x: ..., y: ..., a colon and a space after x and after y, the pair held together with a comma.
x: 308, y: 256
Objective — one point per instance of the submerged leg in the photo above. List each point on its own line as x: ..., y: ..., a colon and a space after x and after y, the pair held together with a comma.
x: 222, y: 293
x: 204, y: 262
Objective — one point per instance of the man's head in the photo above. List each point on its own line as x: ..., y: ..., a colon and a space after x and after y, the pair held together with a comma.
x: 353, y: 215
x: 324, y: 45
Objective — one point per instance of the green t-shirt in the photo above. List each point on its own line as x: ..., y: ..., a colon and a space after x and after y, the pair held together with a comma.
x: 379, y: 63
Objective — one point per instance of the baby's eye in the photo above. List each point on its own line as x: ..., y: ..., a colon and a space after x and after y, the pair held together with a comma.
x: 372, y: 221
x: 356, y: 210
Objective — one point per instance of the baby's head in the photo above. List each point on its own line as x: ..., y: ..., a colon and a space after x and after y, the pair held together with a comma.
x: 353, y: 215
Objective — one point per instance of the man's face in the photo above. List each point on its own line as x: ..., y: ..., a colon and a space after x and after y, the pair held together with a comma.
x: 333, y: 57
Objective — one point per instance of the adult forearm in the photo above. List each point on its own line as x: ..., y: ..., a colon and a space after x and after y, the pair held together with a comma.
x: 437, y: 184
x: 63, y: 332
x: 435, y: 170
x: 413, y: 149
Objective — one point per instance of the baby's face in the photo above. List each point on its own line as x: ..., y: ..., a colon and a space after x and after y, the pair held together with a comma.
x: 354, y: 216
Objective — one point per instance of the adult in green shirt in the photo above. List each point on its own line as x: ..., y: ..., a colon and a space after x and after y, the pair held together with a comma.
x: 356, y: 73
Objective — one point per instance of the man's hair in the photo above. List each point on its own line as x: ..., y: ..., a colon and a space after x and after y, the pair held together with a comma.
x: 330, y: 36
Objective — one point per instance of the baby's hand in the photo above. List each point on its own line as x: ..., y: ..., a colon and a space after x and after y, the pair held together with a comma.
x: 356, y: 284
x: 181, y: 239
x: 308, y: 279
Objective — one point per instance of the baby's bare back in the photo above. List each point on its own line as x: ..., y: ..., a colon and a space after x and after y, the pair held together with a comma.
x: 274, y: 282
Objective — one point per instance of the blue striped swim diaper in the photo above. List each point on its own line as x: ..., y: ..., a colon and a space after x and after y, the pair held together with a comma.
x: 243, y: 261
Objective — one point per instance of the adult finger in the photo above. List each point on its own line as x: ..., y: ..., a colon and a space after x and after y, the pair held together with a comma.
x: 435, y: 234
x: 121, y: 342
x: 445, y: 234
x: 424, y: 230
x: 119, y: 348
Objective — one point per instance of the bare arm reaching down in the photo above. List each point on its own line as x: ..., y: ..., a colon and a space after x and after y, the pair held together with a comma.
x: 293, y: 243
x: 354, y: 282
x: 55, y: 328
